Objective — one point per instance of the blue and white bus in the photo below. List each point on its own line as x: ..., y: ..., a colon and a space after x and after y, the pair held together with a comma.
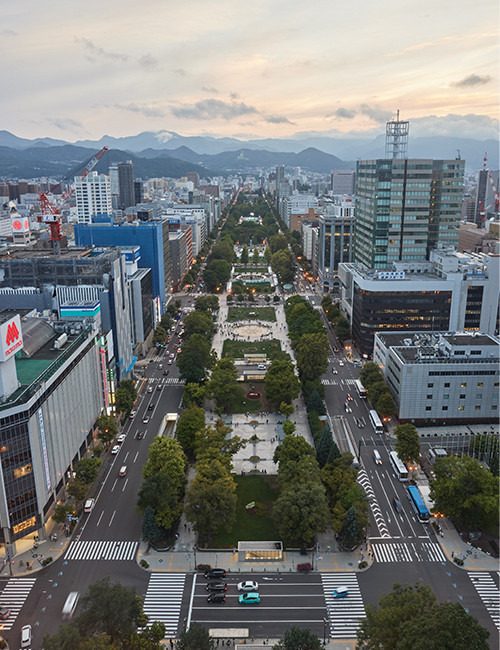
x: 418, y: 504
x: 376, y: 422
x: 398, y: 466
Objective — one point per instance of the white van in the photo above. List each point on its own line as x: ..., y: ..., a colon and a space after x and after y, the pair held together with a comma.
x: 89, y: 504
x: 26, y: 636
x: 376, y: 457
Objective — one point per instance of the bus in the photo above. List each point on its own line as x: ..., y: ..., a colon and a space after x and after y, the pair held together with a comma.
x: 360, y: 388
x: 398, y: 466
x: 417, y: 503
x: 70, y: 605
x: 376, y: 423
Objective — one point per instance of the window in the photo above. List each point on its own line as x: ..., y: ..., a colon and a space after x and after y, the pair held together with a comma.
x: 446, y: 396
x: 429, y: 396
x: 462, y: 395
x: 480, y: 384
x: 430, y: 385
x: 461, y: 407
x: 428, y: 408
x: 477, y: 408
x: 447, y: 385
x: 445, y: 408
x: 463, y: 384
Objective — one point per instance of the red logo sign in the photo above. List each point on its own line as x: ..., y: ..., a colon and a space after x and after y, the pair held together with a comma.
x: 12, y: 334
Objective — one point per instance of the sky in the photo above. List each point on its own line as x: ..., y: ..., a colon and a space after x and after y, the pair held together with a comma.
x: 267, y: 68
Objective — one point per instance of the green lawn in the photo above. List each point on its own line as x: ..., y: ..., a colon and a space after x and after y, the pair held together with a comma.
x: 251, y: 313
x: 250, y: 525
x: 238, y: 349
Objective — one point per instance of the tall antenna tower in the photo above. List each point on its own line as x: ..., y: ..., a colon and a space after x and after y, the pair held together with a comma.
x: 396, y: 138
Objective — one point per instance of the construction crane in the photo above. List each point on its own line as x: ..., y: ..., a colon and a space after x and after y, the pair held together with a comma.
x: 51, y: 215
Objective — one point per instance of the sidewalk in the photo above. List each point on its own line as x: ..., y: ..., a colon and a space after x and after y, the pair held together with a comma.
x: 454, y: 546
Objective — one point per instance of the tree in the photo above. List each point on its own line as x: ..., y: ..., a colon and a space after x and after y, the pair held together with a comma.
x: 315, y: 403
x: 288, y: 428
x: 277, y: 243
x: 376, y: 389
x: 158, y: 493
x: 407, y: 442
x: 108, y: 428
x: 68, y: 637
x: 325, y: 444
x: 198, y: 322
x: 293, y: 448
x: 256, y: 256
x: 403, y: 614
x: 370, y: 373
x: 466, y: 491
x: 193, y: 394
x: 61, y: 511
x: 312, y: 355
x: 282, y: 263
x: 125, y: 395
x: 342, y: 329
x: 195, y: 358
x: 297, y: 638
x: 111, y: 609
x: 352, y: 534
x: 206, y: 303
x: 86, y: 470
x: 151, y: 532
x: 191, y: 421
x: 165, y: 456
x: 77, y: 489
x: 196, y: 638
x: 223, y: 250
x: 223, y: 384
x: 244, y: 255
x: 160, y: 335
x: 301, y: 511
x: 286, y: 409
x: 385, y: 405
x: 281, y: 382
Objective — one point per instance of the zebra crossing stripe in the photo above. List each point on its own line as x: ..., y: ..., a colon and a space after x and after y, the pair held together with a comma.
x: 488, y: 592
x: 101, y: 550
x: 163, y: 600
x: 344, y: 614
x: 401, y: 552
x: 14, y: 596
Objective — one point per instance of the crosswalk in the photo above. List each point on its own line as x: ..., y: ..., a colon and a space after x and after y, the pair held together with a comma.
x: 343, y: 613
x: 92, y: 550
x: 13, y: 596
x: 408, y: 552
x: 163, y: 600
x: 329, y: 382
x: 488, y: 592
x: 163, y: 381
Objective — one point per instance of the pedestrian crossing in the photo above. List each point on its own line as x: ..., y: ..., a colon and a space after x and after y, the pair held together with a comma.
x: 488, y: 592
x: 329, y: 382
x: 163, y: 381
x: 163, y: 600
x: 92, y: 550
x: 408, y: 552
x: 13, y: 596
x: 345, y: 613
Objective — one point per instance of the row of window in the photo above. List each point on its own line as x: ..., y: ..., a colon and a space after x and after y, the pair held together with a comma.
x: 461, y: 407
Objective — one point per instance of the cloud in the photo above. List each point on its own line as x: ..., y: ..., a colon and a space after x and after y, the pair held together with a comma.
x: 277, y: 119
x: 65, y: 123
x: 375, y: 113
x: 234, y: 95
x: 472, y: 80
x: 100, y: 52
x: 8, y: 32
x: 344, y: 113
x: 147, y: 111
x: 148, y: 62
x: 211, y: 109
x: 478, y: 127
x: 210, y: 89
x: 180, y: 71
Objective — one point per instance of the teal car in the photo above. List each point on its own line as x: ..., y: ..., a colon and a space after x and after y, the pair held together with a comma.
x: 250, y: 598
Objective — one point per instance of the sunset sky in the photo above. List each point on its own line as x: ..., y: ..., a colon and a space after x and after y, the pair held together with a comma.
x: 267, y: 68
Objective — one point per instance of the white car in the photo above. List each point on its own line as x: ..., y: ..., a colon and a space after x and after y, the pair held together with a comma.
x: 248, y: 585
x: 133, y: 413
x: 145, y: 419
x: 115, y: 449
x: 121, y: 438
x: 341, y: 363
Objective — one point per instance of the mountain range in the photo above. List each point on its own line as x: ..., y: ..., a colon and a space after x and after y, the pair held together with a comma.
x: 166, y: 153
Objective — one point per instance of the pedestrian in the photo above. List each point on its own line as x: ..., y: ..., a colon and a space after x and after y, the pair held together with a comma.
x: 452, y: 554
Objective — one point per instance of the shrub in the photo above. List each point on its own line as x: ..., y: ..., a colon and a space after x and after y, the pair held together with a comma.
x: 304, y: 567
x: 46, y: 561
x: 203, y: 567
x: 458, y: 561
x: 363, y: 564
x: 144, y: 564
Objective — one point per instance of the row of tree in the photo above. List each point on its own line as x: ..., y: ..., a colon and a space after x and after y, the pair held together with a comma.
x: 340, y: 324
x: 197, y: 357
x: 378, y: 391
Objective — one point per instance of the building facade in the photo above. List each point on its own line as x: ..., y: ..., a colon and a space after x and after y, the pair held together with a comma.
x: 93, y: 197
x: 335, y: 242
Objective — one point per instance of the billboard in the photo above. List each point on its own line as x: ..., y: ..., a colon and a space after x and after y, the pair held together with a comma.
x: 11, y: 337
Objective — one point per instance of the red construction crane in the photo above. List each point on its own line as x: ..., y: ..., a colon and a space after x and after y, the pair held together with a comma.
x: 51, y: 215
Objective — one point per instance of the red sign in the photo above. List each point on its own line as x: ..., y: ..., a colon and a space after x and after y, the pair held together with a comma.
x: 12, y: 333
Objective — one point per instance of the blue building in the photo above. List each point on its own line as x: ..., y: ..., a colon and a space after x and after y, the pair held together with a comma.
x: 150, y: 236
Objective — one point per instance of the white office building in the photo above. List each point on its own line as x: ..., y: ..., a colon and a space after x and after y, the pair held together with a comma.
x: 93, y: 197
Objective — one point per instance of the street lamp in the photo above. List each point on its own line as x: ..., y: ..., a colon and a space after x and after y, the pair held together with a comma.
x: 325, y: 623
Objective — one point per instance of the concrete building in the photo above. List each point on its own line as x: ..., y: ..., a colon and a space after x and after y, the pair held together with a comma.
x: 441, y: 377
x: 335, y: 242
x: 178, y: 255
x: 296, y: 208
x: 343, y: 181
x: 93, y: 197
x: 405, y: 208
x: 54, y: 384
x: 452, y: 292
x: 472, y: 239
x: 122, y: 182
x: 142, y: 305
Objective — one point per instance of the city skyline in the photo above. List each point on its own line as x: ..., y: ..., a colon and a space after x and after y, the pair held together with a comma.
x: 276, y: 69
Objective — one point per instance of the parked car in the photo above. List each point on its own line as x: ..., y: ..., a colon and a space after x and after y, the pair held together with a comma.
x: 249, y: 598
x: 169, y: 362
x: 248, y: 585
x: 216, y: 586
x: 216, y: 597
x: 215, y: 573
x: 115, y: 449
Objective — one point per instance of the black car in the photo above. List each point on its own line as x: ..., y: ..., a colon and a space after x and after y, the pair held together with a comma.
x: 216, y: 598
x: 216, y: 586
x: 151, y: 406
x: 140, y: 435
x: 215, y: 573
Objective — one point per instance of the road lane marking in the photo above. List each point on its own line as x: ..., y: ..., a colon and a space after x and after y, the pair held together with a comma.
x: 125, y: 485
x: 112, y: 517
x: 99, y: 520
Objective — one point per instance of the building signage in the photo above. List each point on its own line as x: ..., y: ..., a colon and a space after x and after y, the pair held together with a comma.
x: 11, y: 337
x: 24, y: 525
x: 391, y: 275
x: 44, y: 449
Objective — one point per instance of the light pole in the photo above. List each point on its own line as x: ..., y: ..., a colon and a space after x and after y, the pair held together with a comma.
x: 325, y: 623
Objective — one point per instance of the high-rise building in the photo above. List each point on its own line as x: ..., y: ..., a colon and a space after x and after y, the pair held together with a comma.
x: 126, y: 196
x: 93, y: 196
x: 342, y: 181
x: 405, y: 208
x: 335, y: 242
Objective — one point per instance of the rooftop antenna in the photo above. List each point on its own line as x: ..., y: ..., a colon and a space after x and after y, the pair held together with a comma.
x: 396, y: 138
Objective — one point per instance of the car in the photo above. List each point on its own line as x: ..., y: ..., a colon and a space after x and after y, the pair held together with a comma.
x: 140, y: 435
x: 160, y: 366
x: 249, y: 598
x: 348, y: 409
x: 215, y: 573
x: 115, y: 449
x: 26, y: 636
x: 150, y: 389
x: 165, y: 373
x: 159, y: 387
x: 172, y: 355
x: 335, y: 349
x: 248, y: 585
x: 216, y: 586
x: 132, y: 414
x: 340, y: 592
x: 89, y: 504
x: 398, y: 506
x: 216, y: 597
x: 335, y: 371
x: 123, y: 471
x: 151, y: 406
x: 261, y: 366
x: 145, y: 419
x: 4, y: 613
x: 121, y: 438
x: 341, y: 363
x: 169, y: 362
x: 350, y: 397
